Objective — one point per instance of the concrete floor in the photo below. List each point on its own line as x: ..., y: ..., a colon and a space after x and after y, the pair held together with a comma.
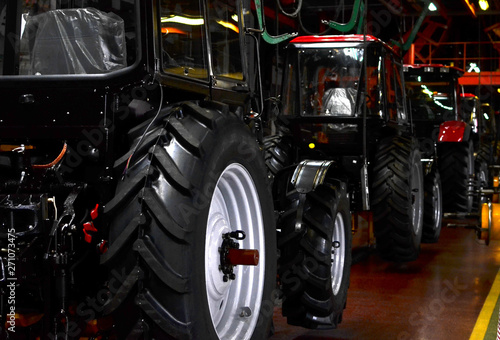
x: 439, y: 296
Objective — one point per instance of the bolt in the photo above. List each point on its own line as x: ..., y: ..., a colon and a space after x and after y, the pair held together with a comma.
x: 245, y: 312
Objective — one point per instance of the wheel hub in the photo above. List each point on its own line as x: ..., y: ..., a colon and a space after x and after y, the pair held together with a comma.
x: 231, y: 255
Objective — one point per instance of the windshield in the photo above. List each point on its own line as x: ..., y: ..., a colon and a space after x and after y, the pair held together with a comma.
x: 55, y: 37
x: 431, y: 101
x: 328, y: 81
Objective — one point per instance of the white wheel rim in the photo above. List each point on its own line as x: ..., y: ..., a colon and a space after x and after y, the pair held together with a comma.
x: 338, y: 254
x: 470, y: 170
x: 235, y: 205
x: 417, y: 198
x: 438, y: 205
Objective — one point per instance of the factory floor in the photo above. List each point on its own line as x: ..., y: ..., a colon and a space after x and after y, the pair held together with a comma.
x: 450, y: 292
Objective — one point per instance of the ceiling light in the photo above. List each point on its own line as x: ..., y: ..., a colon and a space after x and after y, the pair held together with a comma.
x: 432, y: 7
x: 229, y: 25
x: 184, y: 20
x: 483, y: 4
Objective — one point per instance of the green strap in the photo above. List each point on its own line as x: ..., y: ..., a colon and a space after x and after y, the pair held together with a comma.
x: 354, y: 18
x: 411, y: 38
x: 266, y: 36
x: 361, y: 19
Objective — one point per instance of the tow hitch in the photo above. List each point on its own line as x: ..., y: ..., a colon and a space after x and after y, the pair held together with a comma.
x: 231, y: 255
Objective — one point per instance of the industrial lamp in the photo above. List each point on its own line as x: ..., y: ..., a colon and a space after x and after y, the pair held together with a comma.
x: 483, y: 4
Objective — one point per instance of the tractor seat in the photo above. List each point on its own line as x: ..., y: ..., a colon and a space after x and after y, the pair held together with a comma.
x: 339, y: 102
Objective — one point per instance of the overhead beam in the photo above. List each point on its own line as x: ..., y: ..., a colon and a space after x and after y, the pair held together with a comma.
x: 483, y: 78
x: 471, y: 8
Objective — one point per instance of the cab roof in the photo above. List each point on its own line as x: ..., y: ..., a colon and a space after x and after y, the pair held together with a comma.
x: 440, y: 68
x: 334, y: 38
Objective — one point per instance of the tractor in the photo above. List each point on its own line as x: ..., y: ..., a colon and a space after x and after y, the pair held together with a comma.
x: 448, y: 132
x: 342, y: 122
x: 134, y: 197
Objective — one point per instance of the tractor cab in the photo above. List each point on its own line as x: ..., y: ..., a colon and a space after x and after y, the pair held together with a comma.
x: 334, y: 84
x: 433, y: 94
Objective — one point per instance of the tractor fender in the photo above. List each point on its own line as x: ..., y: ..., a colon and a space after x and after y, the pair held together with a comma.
x: 454, y: 131
x: 309, y: 174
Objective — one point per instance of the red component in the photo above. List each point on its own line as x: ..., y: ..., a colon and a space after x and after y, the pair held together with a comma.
x: 94, y: 212
x: 333, y: 38
x: 248, y: 257
x: 103, y: 247
x: 451, y: 131
x: 467, y: 95
x: 89, y: 226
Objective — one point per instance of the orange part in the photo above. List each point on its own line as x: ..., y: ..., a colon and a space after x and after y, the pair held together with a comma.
x: 10, y: 148
x: 54, y: 162
x: 362, y: 229
x: 24, y: 320
x: 495, y: 197
x: 172, y: 30
x: 248, y: 257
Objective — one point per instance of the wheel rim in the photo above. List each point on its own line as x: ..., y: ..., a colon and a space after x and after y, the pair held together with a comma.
x: 482, y: 182
x: 470, y: 179
x: 416, y: 197
x: 438, y: 205
x: 338, y: 254
x: 235, y: 205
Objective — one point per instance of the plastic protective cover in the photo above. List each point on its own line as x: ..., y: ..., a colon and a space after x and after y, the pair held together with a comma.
x: 74, y: 41
x: 339, y: 102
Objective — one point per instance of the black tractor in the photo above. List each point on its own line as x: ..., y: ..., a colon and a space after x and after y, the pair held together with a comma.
x: 344, y: 145
x: 134, y: 198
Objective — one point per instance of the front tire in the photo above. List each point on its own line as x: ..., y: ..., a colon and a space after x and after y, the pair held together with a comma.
x: 397, y: 199
x: 315, y: 261
x: 203, y: 176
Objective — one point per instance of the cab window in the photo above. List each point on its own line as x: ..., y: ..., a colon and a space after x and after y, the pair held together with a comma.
x: 224, y: 39
x: 183, y: 39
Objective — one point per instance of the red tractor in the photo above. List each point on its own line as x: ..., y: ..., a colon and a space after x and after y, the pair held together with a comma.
x: 448, y: 133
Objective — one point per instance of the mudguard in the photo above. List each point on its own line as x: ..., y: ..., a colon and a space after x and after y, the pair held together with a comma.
x: 309, y: 174
x: 454, y: 131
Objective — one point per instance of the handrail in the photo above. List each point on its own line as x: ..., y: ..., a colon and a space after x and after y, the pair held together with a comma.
x: 358, y: 8
x: 273, y: 40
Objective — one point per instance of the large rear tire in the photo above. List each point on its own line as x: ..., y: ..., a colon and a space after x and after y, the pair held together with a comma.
x: 456, y: 166
x: 204, y: 176
x: 315, y: 261
x: 433, y: 207
x: 397, y: 198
